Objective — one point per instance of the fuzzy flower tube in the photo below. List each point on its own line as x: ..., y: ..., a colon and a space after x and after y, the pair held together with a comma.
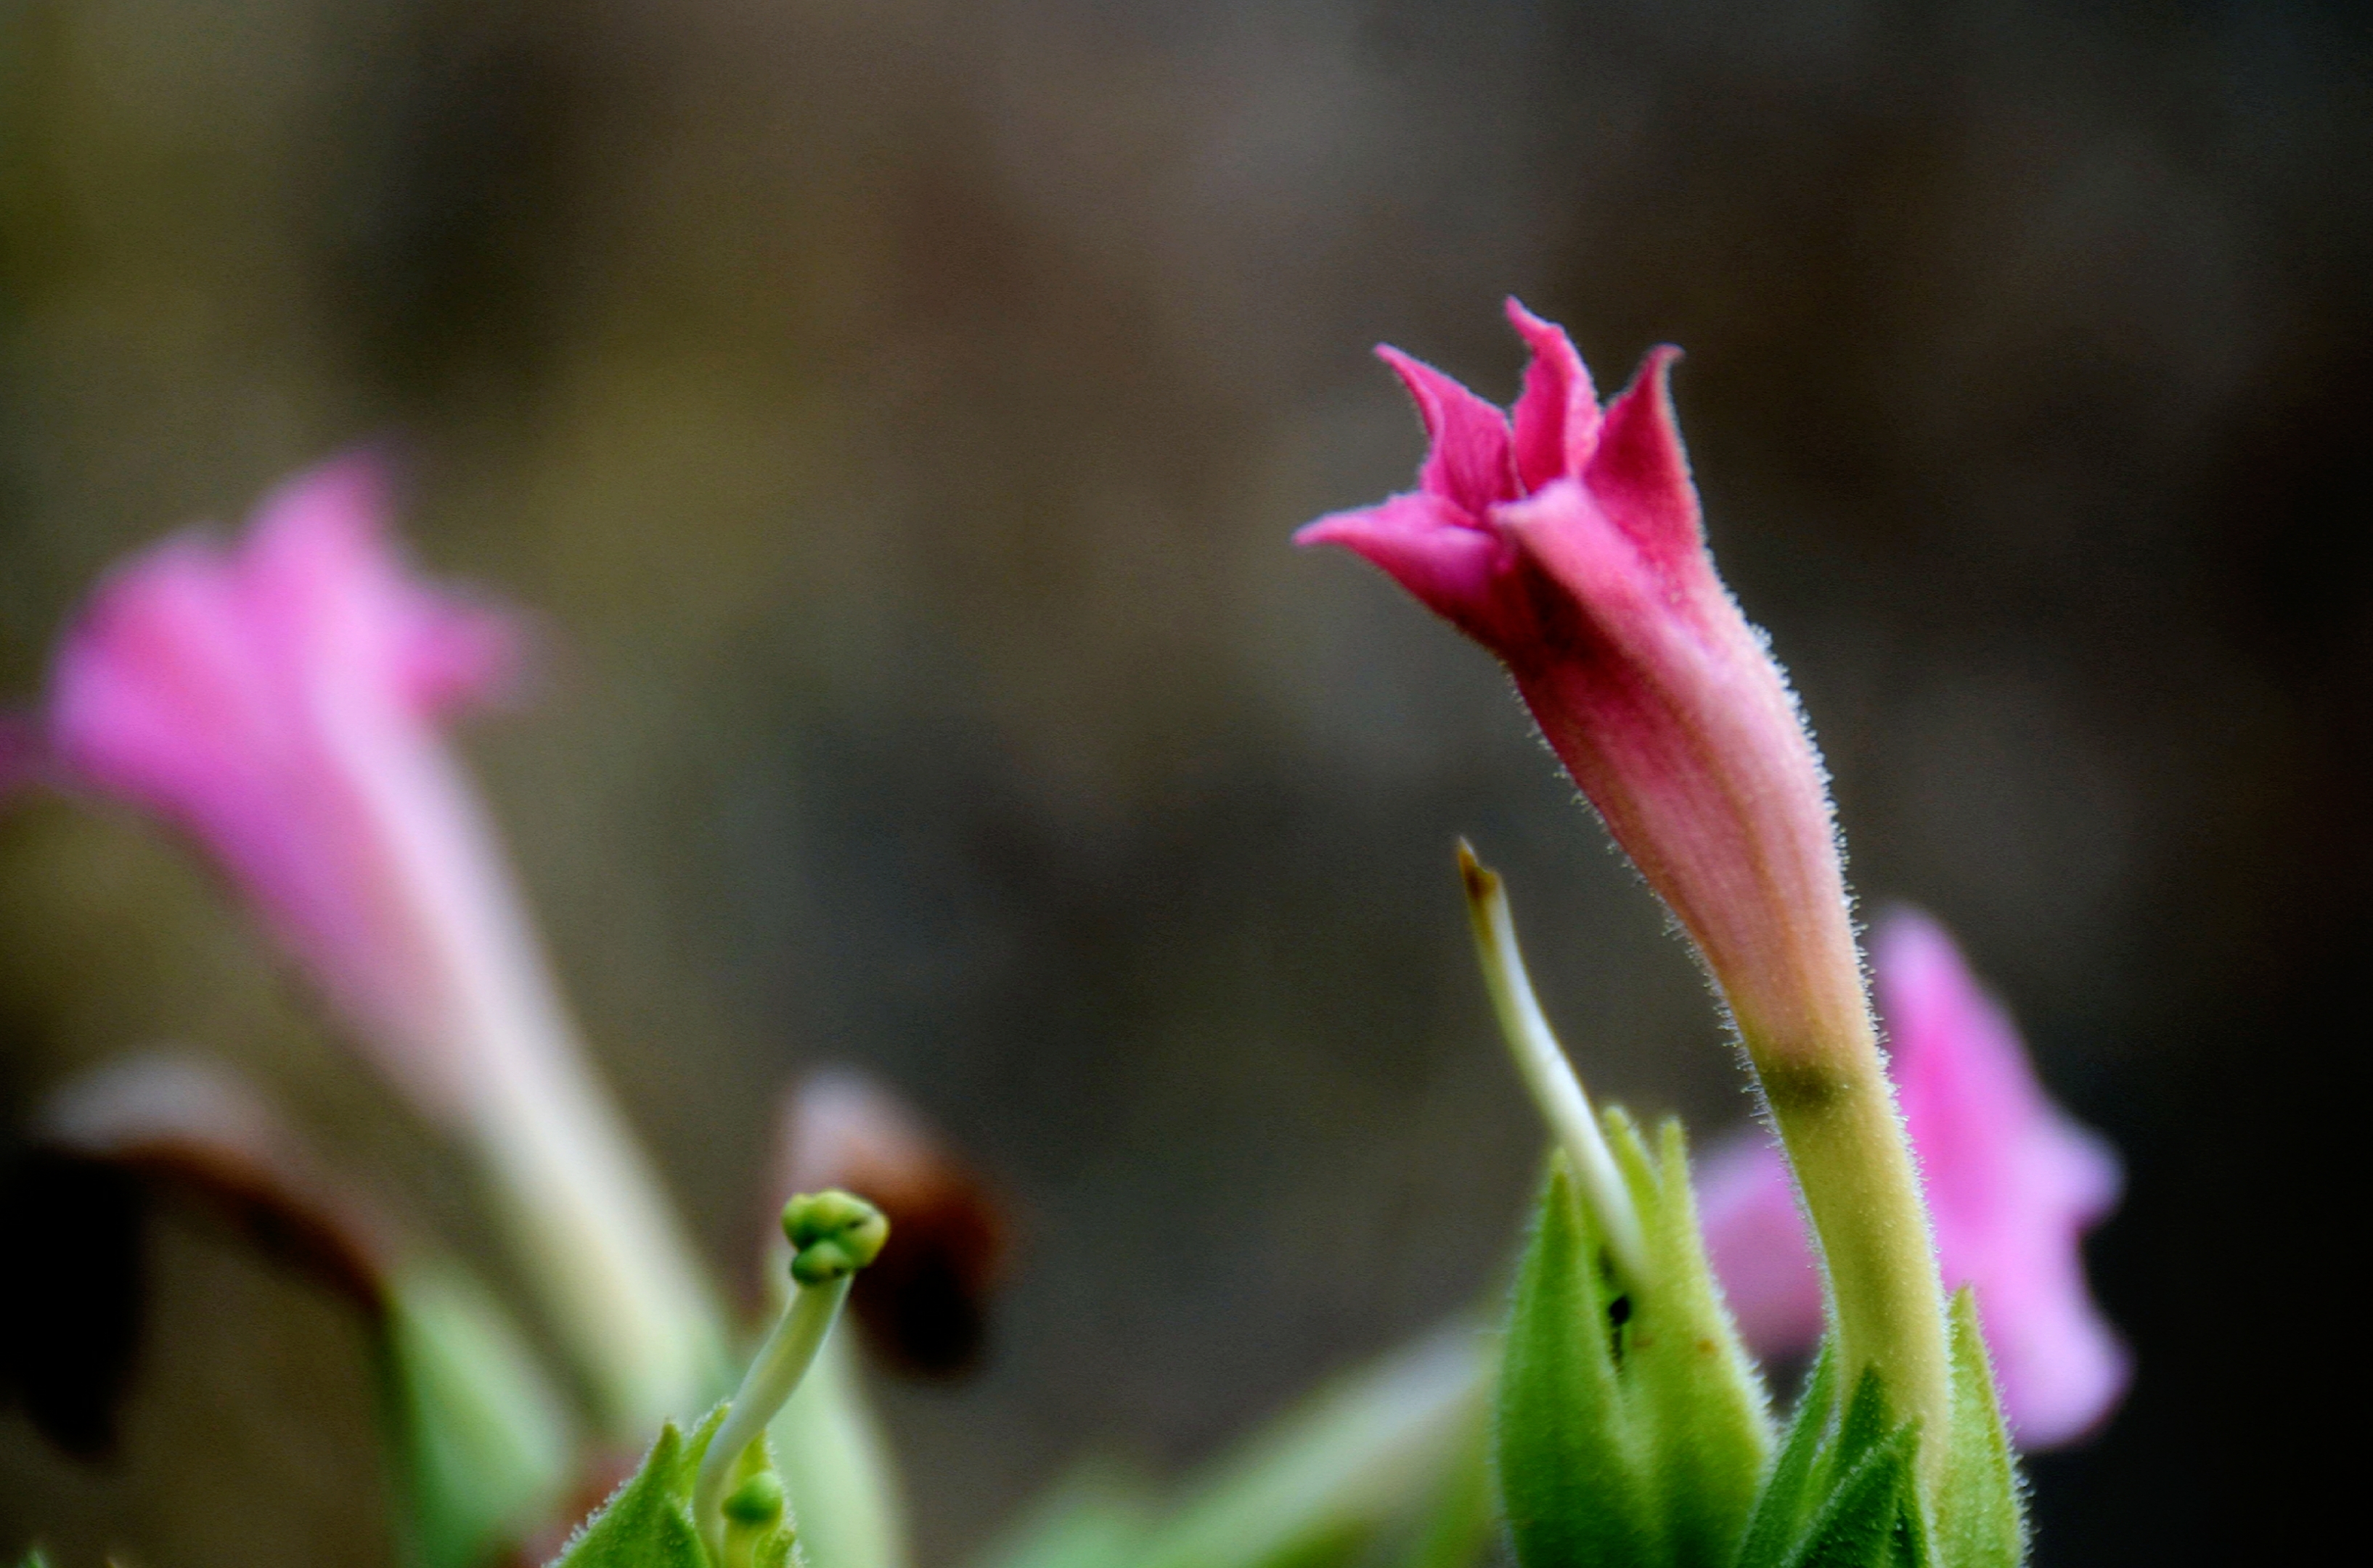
x: 2013, y: 1183
x: 280, y: 699
x: 1567, y: 540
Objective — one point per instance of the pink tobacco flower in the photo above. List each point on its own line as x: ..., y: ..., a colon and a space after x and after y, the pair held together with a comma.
x: 1567, y: 541
x: 278, y: 698
x: 2012, y: 1183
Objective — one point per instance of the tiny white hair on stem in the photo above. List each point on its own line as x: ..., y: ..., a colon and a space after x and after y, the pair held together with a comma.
x: 1548, y: 1075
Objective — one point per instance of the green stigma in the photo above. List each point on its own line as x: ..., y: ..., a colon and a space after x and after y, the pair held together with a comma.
x: 833, y: 1234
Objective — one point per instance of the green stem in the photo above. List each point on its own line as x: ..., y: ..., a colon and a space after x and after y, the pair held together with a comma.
x: 1548, y: 1075
x: 1837, y: 1117
x: 774, y: 1375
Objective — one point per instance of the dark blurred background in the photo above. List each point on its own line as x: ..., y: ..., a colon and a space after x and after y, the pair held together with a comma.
x: 897, y: 411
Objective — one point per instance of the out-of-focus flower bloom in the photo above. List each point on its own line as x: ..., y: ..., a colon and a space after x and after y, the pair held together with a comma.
x: 1568, y: 541
x: 278, y: 701
x: 277, y: 698
x: 2012, y: 1184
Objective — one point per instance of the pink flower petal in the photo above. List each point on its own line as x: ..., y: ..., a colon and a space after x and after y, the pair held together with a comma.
x: 1638, y: 471
x: 1470, y: 464
x: 1424, y: 544
x: 278, y: 699
x: 1755, y: 1238
x: 1557, y: 416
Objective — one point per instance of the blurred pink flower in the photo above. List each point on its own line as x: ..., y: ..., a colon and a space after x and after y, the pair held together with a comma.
x: 2012, y: 1183
x: 1569, y: 543
x: 278, y: 699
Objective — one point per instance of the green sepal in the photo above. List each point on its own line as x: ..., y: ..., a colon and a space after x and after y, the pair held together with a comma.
x: 1843, y: 1493
x: 1790, y: 1493
x: 482, y: 1447
x: 1979, y: 1522
x: 1573, y: 1468
x: 1871, y: 1519
x: 1633, y: 1429
x: 1705, y: 1404
x: 647, y: 1522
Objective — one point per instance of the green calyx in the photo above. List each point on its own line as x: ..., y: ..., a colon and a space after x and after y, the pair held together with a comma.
x: 1632, y: 1428
x: 833, y: 1234
x: 1634, y: 1433
x: 649, y: 1522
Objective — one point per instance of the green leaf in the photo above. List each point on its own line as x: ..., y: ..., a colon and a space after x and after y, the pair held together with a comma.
x: 1387, y: 1468
x: 482, y: 1449
x: 1338, y: 1472
x: 1459, y: 1522
x: 1094, y: 1517
x: 1978, y: 1521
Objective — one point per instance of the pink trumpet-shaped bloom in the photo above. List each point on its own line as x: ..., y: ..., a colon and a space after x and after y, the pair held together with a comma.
x: 2012, y: 1185
x: 1567, y: 540
x: 278, y: 698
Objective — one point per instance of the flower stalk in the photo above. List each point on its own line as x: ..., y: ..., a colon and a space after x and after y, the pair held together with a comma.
x: 833, y: 1234
x: 1548, y: 1075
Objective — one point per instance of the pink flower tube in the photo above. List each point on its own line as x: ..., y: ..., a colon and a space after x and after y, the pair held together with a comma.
x: 1568, y: 541
x: 2012, y: 1183
x: 278, y: 699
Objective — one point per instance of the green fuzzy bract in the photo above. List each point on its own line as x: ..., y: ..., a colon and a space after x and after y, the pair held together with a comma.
x: 647, y: 1522
x: 1843, y: 1490
x: 1634, y: 1432
x: 1631, y: 1425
